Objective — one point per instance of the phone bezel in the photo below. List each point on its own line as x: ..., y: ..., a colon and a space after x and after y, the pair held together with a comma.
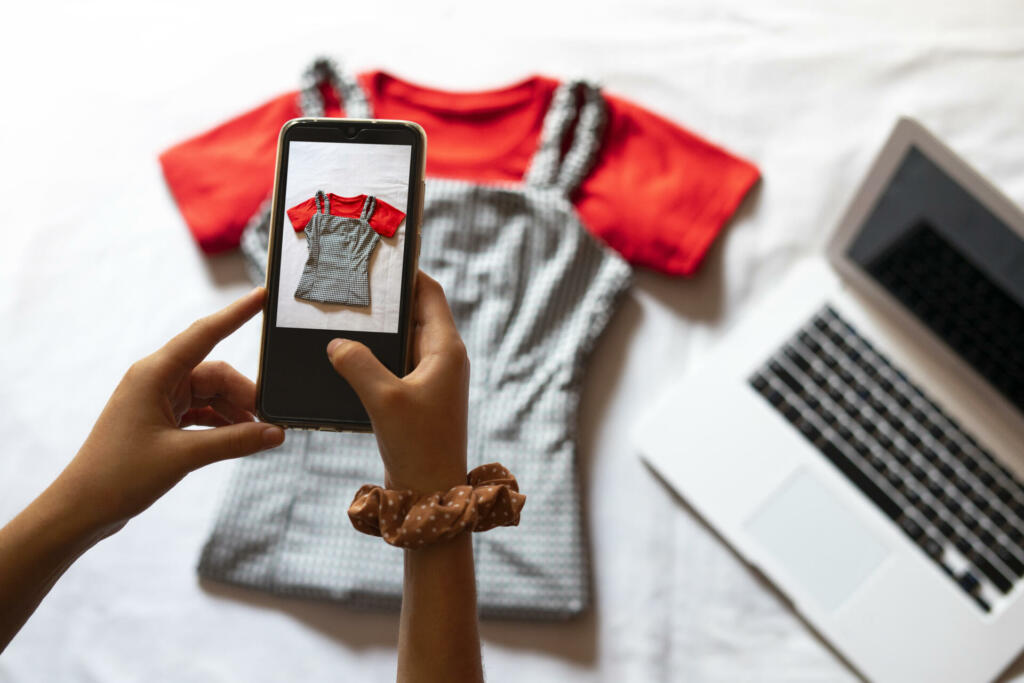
x: 338, y: 130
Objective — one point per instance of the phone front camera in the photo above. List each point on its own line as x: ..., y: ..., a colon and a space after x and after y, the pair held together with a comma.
x: 350, y: 131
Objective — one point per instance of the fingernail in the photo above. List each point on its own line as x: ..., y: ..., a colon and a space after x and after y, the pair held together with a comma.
x: 333, y: 344
x: 273, y: 436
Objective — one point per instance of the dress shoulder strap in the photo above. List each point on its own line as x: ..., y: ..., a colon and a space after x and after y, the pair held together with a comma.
x: 324, y: 72
x: 369, y: 204
x: 549, y: 168
x: 323, y: 202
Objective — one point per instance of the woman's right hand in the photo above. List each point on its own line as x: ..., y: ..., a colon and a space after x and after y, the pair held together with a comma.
x: 419, y: 419
x: 420, y: 423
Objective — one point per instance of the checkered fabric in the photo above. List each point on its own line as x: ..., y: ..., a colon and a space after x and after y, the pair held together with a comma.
x: 337, y: 269
x: 323, y: 72
x: 530, y: 290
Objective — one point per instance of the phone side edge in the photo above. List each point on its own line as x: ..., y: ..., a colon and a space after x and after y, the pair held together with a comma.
x: 420, y: 189
x: 271, y: 235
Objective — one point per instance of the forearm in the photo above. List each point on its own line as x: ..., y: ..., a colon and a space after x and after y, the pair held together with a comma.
x: 438, y: 638
x: 36, y: 548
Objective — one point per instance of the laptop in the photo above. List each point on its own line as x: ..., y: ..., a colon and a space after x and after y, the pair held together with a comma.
x: 859, y: 437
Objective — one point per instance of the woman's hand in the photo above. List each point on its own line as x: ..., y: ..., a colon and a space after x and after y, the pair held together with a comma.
x: 420, y: 423
x: 137, y: 449
x: 419, y: 419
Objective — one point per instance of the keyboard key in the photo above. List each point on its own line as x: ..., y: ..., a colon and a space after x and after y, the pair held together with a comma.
x: 910, y: 527
x: 862, y: 481
x: 998, y: 519
x: 917, y: 471
x: 797, y: 359
x: 953, y: 505
x: 945, y: 528
x: 969, y: 582
x: 932, y: 548
x: 961, y: 543
x: 886, y: 443
x: 963, y: 486
x: 914, y: 440
x: 991, y: 573
x: 790, y: 381
x: 1007, y: 557
x: 912, y: 496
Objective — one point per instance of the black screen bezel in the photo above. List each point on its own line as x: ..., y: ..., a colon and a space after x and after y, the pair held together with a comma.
x: 908, y: 132
x: 295, y: 376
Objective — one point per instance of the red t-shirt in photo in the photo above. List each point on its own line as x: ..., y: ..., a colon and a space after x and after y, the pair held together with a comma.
x: 384, y: 220
x: 657, y: 193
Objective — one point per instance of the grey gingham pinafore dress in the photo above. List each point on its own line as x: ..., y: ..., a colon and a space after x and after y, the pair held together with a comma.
x: 337, y: 269
x: 530, y: 290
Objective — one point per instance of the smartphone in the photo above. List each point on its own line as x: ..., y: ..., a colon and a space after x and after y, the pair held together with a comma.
x: 341, y: 262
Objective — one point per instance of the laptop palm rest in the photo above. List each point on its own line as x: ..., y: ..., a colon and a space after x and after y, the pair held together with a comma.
x: 816, y: 539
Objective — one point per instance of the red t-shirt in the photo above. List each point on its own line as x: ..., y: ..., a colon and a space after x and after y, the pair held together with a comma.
x: 385, y: 218
x: 657, y: 193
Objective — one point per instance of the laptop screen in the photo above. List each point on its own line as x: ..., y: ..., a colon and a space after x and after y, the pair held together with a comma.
x: 951, y: 262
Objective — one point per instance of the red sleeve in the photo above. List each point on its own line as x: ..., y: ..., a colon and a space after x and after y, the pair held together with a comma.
x: 659, y: 194
x: 301, y: 213
x: 219, y: 178
x: 386, y: 219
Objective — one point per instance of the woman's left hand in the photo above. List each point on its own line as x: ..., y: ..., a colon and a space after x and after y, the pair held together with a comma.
x: 137, y: 449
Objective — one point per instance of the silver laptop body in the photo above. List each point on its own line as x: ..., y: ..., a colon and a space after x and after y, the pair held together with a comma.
x: 859, y: 437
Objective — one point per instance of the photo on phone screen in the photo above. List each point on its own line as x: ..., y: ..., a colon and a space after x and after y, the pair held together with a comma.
x: 341, y: 255
x: 343, y: 268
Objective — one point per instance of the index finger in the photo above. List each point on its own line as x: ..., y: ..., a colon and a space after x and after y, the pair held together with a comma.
x: 188, y: 349
x: 433, y: 316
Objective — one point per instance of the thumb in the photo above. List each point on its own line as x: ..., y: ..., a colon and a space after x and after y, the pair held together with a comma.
x: 360, y: 368
x: 231, y: 441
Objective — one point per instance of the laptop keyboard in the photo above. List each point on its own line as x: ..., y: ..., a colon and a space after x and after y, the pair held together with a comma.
x: 961, y: 507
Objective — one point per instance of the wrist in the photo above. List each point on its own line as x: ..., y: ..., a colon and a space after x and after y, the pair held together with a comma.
x: 60, y: 525
x: 424, y: 483
x: 436, y: 477
x: 80, y: 513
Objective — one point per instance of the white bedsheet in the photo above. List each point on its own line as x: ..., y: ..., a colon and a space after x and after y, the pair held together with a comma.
x: 97, y: 269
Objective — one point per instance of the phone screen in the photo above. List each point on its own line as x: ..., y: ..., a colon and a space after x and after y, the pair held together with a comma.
x: 341, y: 261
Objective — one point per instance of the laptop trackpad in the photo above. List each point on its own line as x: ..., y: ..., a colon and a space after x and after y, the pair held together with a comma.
x: 816, y: 539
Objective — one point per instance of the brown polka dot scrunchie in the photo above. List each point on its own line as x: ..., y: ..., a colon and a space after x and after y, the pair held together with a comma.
x: 490, y: 498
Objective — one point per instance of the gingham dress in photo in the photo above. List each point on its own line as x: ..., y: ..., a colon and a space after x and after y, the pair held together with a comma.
x: 337, y: 269
x: 531, y: 289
